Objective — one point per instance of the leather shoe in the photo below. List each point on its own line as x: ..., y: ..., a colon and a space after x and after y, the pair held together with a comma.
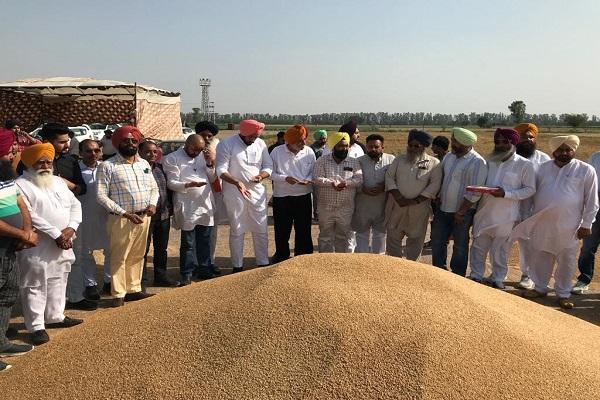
x: 117, y: 302
x: 85, y: 305
x: 137, y: 296
x: 106, y: 289
x: 215, y: 270
x: 65, y: 323
x: 236, y: 270
x: 186, y: 280
x: 91, y: 293
x: 39, y: 337
x: 11, y: 333
x: 165, y: 282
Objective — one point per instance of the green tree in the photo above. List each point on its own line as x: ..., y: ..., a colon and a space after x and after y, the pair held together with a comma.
x: 483, y: 122
x: 517, y: 110
x: 575, y: 120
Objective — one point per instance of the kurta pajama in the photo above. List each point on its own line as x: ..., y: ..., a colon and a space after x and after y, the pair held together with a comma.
x: 45, y: 267
x: 566, y: 200
x: 244, y: 162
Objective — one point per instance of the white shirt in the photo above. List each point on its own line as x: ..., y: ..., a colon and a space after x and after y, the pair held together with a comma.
x: 468, y: 170
x: 566, y: 199
x: 537, y: 159
x: 194, y: 205
x: 299, y: 166
x: 496, y: 215
x: 52, y: 209
x: 92, y: 231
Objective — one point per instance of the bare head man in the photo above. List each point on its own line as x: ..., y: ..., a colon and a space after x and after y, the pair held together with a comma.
x: 194, y: 145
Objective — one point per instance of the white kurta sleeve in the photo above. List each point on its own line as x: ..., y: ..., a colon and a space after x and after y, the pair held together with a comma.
x: 75, y: 214
x: 590, y: 199
x: 223, y: 157
x: 528, y: 188
x: 435, y: 182
x: 39, y: 222
x: 477, y: 178
x: 267, y: 162
x: 173, y: 172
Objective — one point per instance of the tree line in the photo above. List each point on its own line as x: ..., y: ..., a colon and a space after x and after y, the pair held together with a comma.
x: 484, y: 120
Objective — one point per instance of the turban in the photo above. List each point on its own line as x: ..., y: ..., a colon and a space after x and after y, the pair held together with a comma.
x: 34, y: 153
x: 509, y: 134
x: 121, y: 133
x: 349, y: 127
x: 319, y: 134
x: 295, y: 134
x: 7, y: 139
x: 464, y: 136
x: 249, y: 127
x: 572, y: 141
x: 522, y: 128
x: 337, y: 137
x: 420, y: 136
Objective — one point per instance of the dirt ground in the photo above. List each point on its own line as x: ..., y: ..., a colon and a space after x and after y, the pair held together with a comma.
x: 587, y: 307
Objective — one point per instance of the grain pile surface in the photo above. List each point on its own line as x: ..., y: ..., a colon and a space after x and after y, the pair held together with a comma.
x: 320, y: 326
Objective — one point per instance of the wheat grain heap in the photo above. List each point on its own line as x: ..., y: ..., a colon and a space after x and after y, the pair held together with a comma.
x: 320, y: 326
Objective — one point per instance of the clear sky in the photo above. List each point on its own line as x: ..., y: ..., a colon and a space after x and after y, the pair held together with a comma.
x: 320, y: 56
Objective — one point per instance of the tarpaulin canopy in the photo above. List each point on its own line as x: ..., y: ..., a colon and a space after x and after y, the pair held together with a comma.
x: 76, y: 101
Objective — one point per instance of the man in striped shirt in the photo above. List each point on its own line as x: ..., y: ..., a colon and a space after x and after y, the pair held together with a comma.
x: 128, y: 191
x: 463, y: 167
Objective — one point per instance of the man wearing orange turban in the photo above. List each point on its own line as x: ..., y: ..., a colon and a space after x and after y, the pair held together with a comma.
x: 292, y: 178
x: 527, y: 148
x: 44, y: 268
x: 243, y: 162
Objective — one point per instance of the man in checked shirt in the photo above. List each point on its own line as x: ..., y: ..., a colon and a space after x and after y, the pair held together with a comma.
x: 128, y: 190
x: 337, y: 177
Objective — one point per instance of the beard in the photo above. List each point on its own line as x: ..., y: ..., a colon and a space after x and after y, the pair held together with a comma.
x: 127, y: 151
x: 412, y: 157
x: 500, y: 156
x: 42, y: 178
x: 7, y: 173
x: 526, y: 149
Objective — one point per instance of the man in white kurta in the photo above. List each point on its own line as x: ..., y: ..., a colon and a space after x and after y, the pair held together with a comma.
x: 56, y: 215
x: 368, y: 220
x: 527, y: 148
x: 243, y: 162
x: 190, y: 173
x: 564, y: 208
x: 497, y: 213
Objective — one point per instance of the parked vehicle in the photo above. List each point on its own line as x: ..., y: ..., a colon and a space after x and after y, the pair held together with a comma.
x: 187, y: 132
x: 169, y: 146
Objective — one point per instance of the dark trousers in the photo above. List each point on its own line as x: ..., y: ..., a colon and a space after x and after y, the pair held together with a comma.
x: 296, y: 212
x: 158, y: 233
x: 194, y: 253
x: 9, y: 290
x: 588, y: 253
x: 442, y: 227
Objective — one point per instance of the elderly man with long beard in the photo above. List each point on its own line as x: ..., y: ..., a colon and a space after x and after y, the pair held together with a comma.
x: 413, y: 181
x: 128, y: 191
x: 527, y: 148
x: 564, y: 208
x: 337, y: 175
x: 514, y: 178
x: 243, y: 162
x: 56, y: 215
x: 463, y: 167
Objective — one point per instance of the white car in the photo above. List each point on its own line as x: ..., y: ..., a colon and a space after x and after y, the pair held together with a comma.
x: 81, y: 132
x: 187, y: 132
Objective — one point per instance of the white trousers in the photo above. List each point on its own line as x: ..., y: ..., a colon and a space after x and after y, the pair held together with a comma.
x: 377, y: 245
x: 542, y: 266
x: 261, y: 248
x: 498, y: 248
x: 44, y: 304
x: 524, y: 257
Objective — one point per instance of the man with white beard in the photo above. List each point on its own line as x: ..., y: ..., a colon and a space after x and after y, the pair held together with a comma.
x: 564, y: 208
x: 527, y: 148
x: 514, y: 178
x: 56, y: 215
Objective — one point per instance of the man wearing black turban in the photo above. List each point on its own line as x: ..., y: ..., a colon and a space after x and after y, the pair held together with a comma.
x: 420, y: 136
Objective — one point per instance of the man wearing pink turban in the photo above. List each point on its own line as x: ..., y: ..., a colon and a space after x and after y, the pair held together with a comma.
x: 564, y: 207
x: 243, y: 162
x: 514, y: 178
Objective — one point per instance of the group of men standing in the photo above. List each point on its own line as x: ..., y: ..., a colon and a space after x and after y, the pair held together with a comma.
x: 60, y: 210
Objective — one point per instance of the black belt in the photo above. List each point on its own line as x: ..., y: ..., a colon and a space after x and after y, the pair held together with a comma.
x: 140, y: 213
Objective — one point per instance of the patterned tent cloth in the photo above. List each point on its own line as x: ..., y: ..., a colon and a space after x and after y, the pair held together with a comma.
x: 76, y: 101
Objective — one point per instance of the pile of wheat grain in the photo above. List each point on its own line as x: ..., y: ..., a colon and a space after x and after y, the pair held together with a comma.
x: 320, y: 326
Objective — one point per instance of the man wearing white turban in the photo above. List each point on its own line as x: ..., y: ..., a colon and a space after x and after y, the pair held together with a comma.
x: 564, y: 208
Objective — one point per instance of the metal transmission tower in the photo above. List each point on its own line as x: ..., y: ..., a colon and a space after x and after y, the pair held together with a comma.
x: 206, y: 106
